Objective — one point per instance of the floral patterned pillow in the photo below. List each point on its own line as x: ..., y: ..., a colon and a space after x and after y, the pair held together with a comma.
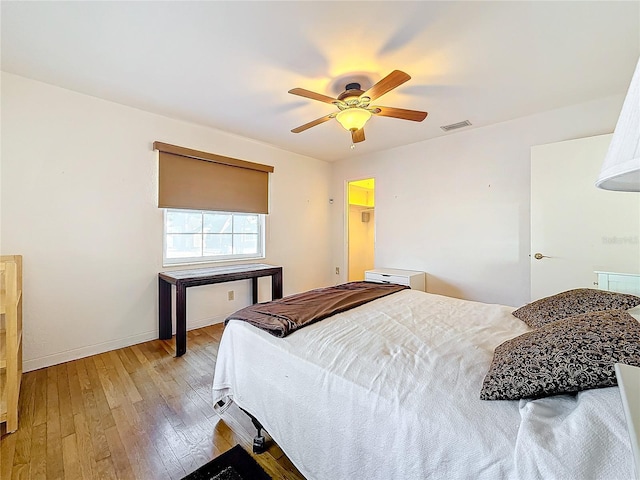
x: 566, y: 356
x: 573, y: 302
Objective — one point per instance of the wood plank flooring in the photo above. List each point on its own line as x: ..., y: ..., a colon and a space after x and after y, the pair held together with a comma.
x: 133, y: 413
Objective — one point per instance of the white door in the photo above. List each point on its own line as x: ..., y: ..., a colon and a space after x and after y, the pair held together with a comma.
x: 576, y: 227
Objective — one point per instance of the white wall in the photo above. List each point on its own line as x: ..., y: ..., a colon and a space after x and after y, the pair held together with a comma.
x: 78, y: 200
x: 457, y: 206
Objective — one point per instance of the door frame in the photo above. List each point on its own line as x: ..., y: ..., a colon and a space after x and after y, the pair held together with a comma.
x: 345, y: 226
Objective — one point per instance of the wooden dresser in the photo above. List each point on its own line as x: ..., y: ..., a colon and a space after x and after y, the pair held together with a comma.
x: 10, y: 339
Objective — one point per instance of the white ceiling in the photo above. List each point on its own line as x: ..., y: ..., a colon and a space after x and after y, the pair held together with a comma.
x: 229, y: 65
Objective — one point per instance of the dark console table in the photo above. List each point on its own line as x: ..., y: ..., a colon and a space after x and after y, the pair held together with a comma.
x: 184, y: 279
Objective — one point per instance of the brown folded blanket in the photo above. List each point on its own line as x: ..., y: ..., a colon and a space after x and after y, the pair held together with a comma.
x: 286, y: 315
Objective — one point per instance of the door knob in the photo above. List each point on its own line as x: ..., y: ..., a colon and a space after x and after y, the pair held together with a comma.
x: 539, y: 256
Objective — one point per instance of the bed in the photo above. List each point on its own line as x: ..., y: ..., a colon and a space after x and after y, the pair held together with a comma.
x: 391, y: 390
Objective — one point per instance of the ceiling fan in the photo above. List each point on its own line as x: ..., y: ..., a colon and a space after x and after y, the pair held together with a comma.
x: 355, y: 107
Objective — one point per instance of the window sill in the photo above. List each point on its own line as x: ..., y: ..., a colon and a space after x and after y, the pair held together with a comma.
x: 230, y: 261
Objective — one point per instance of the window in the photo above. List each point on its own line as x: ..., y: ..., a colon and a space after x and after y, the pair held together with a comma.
x: 197, y: 189
x: 192, y: 236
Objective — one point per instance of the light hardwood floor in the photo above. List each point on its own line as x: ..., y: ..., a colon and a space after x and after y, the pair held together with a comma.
x: 133, y: 413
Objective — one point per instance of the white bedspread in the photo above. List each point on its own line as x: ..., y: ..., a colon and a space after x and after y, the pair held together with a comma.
x: 390, y: 390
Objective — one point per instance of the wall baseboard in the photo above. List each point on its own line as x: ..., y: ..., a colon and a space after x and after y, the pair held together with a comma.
x: 204, y: 322
x: 77, y: 353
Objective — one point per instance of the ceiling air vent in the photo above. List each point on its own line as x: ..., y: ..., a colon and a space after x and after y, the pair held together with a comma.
x: 453, y: 126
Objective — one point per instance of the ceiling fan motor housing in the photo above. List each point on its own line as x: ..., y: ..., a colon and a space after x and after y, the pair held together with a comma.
x: 351, y: 90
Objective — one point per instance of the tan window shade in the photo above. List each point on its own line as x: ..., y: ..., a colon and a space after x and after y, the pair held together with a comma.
x: 199, y: 180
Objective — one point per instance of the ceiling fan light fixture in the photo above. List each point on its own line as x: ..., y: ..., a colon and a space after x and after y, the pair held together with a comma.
x: 355, y: 108
x: 354, y: 118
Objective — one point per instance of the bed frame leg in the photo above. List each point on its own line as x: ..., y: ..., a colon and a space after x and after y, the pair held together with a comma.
x: 259, y: 443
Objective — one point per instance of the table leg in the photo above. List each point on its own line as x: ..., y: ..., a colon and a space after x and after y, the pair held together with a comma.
x: 164, y: 309
x: 181, y: 320
x: 276, y: 285
x: 254, y: 290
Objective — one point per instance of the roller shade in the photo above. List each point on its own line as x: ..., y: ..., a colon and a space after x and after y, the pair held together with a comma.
x: 197, y: 180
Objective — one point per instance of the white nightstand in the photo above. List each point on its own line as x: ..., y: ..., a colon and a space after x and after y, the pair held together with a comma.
x: 619, y: 282
x: 414, y: 279
x: 629, y: 383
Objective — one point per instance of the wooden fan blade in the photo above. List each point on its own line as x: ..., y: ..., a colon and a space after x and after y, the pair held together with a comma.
x: 391, y: 81
x: 413, y: 115
x: 357, y: 135
x: 317, y: 121
x: 312, y: 95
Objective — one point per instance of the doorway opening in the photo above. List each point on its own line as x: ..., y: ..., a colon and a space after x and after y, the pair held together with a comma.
x: 360, y: 227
